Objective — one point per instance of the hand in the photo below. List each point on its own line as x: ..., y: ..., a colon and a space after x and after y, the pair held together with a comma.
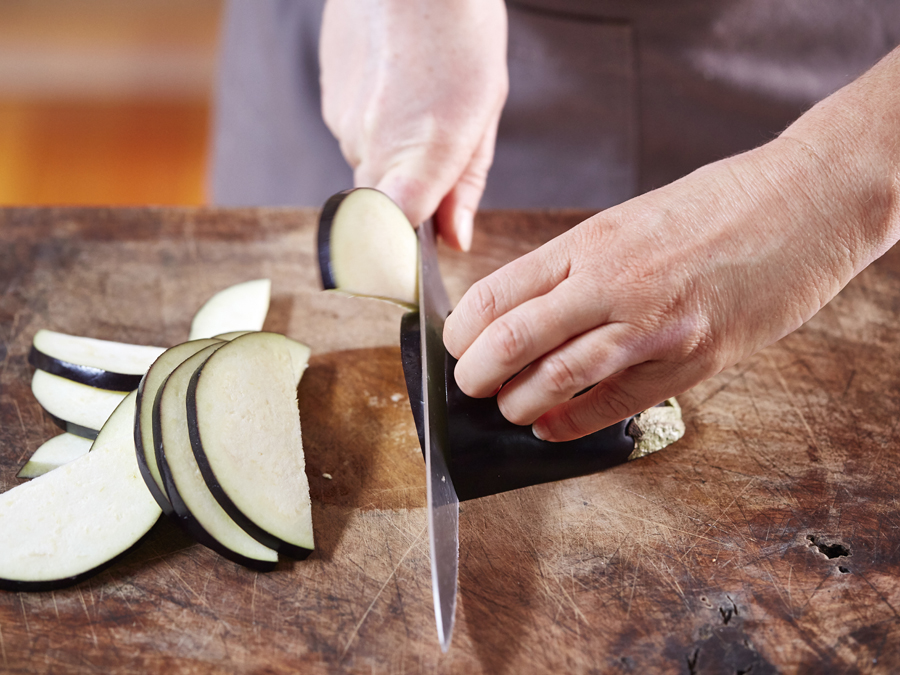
x: 649, y: 298
x: 413, y: 90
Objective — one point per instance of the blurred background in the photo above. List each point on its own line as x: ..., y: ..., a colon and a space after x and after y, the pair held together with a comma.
x: 105, y: 101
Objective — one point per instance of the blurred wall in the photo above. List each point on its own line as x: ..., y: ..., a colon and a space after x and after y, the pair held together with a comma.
x: 105, y: 101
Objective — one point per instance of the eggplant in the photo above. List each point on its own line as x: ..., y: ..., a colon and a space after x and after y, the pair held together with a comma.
x: 99, y: 363
x: 242, y: 307
x: 53, y: 454
x: 193, y: 506
x: 68, y: 524
x: 367, y: 247
x: 489, y: 454
x: 150, y: 385
x: 77, y: 408
x: 244, y: 427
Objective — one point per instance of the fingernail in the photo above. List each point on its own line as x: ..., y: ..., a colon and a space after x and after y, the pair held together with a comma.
x: 463, y: 225
x: 540, y: 431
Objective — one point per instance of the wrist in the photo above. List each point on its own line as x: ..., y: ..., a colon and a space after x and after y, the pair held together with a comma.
x: 845, y: 150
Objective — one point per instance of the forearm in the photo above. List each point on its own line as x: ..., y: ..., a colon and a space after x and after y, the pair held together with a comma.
x: 848, y: 147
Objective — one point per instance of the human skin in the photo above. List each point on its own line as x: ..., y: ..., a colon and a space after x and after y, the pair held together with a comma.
x: 413, y: 90
x: 647, y: 299
x: 644, y: 300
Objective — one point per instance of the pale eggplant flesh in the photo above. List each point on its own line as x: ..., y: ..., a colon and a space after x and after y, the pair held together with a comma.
x: 77, y: 408
x: 242, y: 307
x: 73, y: 522
x: 54, y: 453
x: 368, y: 248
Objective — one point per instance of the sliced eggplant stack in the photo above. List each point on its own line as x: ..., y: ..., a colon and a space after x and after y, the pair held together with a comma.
x: 78, y: 408
x: 145, y: 445
x: 53, y: 454
x: 230, y: 335
x: 244, y: 428
x: 242, y: 307
x: 194, y: 506
x: 99, y: 363
x: 72, y: 522
x: 91, y: 500
x: 368, y: 247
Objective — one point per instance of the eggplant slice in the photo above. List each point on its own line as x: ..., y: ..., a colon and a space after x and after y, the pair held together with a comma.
x: 99, y: 363
x: 78, y: 408
x: 194, y: 507
x: 150, y: 385
x: 53, y: 454
x: 244, y: 427
x: 242, y: 307
x: 72, y: 522
x: 367, y: 247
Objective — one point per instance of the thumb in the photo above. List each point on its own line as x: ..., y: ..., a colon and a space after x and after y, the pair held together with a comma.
x: 455, y: 215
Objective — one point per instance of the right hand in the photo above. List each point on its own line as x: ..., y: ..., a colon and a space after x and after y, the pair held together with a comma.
x: 413, y: 91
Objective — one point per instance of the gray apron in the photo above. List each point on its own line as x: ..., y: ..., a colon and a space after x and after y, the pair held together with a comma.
x: 608, y: 98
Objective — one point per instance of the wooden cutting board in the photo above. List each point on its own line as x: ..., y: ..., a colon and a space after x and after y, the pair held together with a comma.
x: 767, y: 539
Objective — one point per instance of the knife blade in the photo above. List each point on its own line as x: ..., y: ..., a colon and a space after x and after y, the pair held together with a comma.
x: 443, y: 503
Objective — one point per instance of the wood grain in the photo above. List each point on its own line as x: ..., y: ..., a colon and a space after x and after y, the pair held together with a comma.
x: 767, y: 540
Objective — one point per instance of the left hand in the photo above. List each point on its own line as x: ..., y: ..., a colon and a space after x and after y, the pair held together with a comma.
x: 649, y: 298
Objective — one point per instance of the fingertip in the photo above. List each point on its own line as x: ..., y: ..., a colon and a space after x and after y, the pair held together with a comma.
x: 541, y: 431
x: 456, y: 230
x: 449, y: 337
x: 464, y: 227
x: 454, y: 334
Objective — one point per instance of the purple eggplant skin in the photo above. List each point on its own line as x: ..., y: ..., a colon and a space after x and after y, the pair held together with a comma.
x: 73, y: 428
x: 160, y: 498
x: 323, y: 238
x: 94, y: 377
x: 179, y: 511
x: 488, y: 453
x: 238, y: 516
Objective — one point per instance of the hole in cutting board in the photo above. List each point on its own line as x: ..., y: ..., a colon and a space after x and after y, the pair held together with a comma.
x: 830, y: 550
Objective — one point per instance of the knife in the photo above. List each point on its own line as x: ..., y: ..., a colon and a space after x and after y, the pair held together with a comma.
x: 470, y: 449
x: 443, y: 503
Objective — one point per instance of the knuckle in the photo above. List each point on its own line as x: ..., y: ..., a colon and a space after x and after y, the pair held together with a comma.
x: 475, y: 177
x: 563, y: 377
x: 484, y: 300
x: 612, y: 403
x: 705, y: 351
x: 509, y: 339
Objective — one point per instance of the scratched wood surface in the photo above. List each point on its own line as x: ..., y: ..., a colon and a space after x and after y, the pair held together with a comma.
x: 767, y: 540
